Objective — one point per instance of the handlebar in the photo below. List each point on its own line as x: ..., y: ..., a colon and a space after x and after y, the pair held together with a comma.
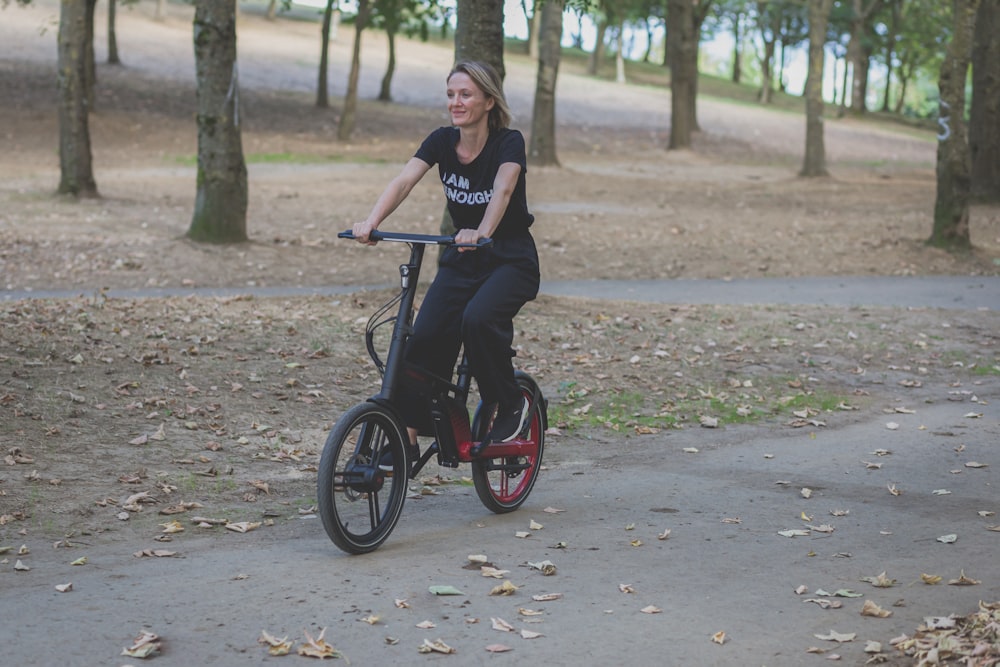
x: 426, y: 239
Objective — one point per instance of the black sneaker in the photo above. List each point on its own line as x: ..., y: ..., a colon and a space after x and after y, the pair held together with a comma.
x: 508, y: 424
x: 385, y: 459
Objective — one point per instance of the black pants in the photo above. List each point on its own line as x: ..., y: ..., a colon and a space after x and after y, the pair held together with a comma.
x: 472, y: 301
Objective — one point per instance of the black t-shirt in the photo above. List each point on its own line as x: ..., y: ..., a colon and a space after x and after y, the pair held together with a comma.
x: 469, y: 187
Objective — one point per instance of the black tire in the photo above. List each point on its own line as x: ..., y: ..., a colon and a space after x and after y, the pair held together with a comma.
x: 358, y: 502
x: 503, y: 483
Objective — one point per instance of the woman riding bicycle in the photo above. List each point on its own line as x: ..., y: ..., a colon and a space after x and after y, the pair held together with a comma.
x: 477, y: 291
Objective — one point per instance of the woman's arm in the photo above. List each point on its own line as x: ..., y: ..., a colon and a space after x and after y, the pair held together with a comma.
x: 503, y: 188
x: 395, y: 192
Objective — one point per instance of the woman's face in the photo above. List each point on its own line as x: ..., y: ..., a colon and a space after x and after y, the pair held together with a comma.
x: 467, y: 104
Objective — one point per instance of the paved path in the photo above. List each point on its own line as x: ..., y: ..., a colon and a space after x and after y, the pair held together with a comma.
x: 950, y: 292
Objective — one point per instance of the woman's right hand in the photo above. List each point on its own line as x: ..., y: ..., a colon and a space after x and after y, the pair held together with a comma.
x: 362, y: 232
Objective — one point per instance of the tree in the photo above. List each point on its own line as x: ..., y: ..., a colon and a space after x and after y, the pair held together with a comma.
x: 814, y: 163
x: 75, y: 160
x: 220, y: 208
x: 984, y: 116
x: 330, y: 15
x: 348, y: 117
x: 684, y: 19
x: 113, y: 58
x: 542, y: 149
x: 479, y: 32
x: 858, y: 52
x: 951, y: 205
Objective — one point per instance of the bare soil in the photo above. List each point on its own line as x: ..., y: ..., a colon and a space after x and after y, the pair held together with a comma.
x: 225, y: 402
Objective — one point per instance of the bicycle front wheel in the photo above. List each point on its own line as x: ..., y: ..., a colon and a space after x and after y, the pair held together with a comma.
x: 359, y: 501
x: 504, y: 482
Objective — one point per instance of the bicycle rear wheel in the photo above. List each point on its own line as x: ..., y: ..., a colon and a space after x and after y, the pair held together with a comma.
x: 359, y: 502
x: 504, y: 482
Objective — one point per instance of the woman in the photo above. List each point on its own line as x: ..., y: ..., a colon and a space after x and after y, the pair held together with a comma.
x: 477, y: 291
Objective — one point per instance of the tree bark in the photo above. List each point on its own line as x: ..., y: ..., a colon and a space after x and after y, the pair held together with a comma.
x: 323, y: 84
x: 348, y: 118
x: 620, y: 55
x: 479, y: 32
x: 542, y: 149
x: 597, y: 55
x: 75, y: 161
x: 984, y: 116
x: 221, y: 202
x: 814, y: 163
x: 385, y: 92
x: 951, y: 205
x: 113, y: 58
x: 683, y: 46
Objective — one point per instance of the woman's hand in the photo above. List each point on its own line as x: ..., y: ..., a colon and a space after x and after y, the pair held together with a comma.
x: 468, y: 236
x: 362, y: 231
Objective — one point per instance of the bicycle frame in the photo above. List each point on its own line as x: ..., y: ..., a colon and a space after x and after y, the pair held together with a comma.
x: 453, y: 434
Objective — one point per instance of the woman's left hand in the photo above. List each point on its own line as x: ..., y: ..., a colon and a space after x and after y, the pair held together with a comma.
x: 468, y: 236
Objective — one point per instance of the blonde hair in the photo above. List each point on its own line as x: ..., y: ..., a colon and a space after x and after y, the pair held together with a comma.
x: 488, y: 81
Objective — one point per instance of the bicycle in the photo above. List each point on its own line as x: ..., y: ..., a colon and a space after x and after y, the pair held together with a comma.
x: 359, y: 501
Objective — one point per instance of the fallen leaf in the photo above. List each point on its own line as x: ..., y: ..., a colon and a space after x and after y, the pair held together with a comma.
x: 530, y: 612
x: 534, y: 525
x: 82, y: 560
x: 145, y: 645
x: 529, y: 634
x: 274, y: 645
x: 976, y: 464
x: 651, y: 609
x: 552, y: 510
x: 871, y: 609
x: 488, y: 571
x: 506, y: 588
x: 445, y: 590
x: 879, y: 581
x: 930, y: 579
x: 501, y: 625
x: 547, y: 597
x: 948, y: 539
x: 835, y: 636
x: 64, y: 588
x: 963, y: 580
x: 806, y: 492
x: 794, y: 532
x: 436, y: 646
x: 546, y: 567
x: 664, y: 535
x: 317, y: 648
x: 626, y: 588
x: 243, y: 526
x: 498, y: 648
x: 371, y: 619
x: 426, y: 625
x: 719, y: 637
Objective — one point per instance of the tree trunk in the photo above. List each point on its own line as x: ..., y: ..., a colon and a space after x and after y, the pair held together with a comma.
x: 764, y: 94
x: 597, y: 55
x: 737, y: 41
x: 683, y: 45
x: 951, y: 206
x: 220, y: 209
x: 349, y: 117
x: 322, y: 85
x: 90, y: 60
x: 75, y: 162
x: 272, y: 10
x: 479, y: 32
x: 385, y: 92
x: 814, y: 163
x: 159, y: 15
x: 542, y: 149
x: 113, y: 58
x: 620, y: 56
x: 984, y: 116
x: 534, y: 29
